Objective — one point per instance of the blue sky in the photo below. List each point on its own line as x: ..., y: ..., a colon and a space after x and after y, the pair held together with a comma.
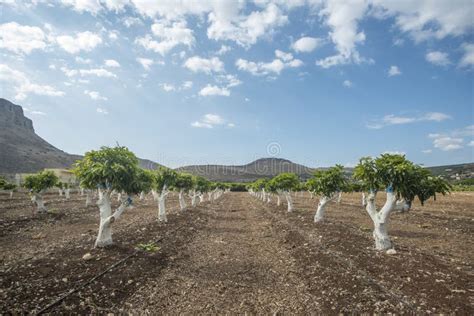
x: 191, y: 82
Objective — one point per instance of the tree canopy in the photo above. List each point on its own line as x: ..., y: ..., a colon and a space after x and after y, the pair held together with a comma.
x: 164, y: 177
x: 327, y: 182
x: 113, y: 168
x: 183, y: 181
x: 41, y: 181
x: 286, y: 181
x: 399, y: 175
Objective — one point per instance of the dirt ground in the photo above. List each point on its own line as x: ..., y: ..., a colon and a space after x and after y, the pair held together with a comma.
x: 237, y: 255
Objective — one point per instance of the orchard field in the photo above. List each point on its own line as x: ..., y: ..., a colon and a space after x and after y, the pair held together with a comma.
x: 236, y: 254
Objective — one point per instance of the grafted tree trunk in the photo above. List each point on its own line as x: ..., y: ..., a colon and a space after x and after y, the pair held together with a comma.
x: 60, y: 192
x: 11, y: 194
x: 201, y: 198
x: 278, y: 200
x: 381, y: 219
x: 320, y: 212
x: 142, y: 196
x: 182, y: 203
x: 67, y: 193
x: 88, y: 198
x: 37, y: 198
x: 289, y: 201
x: 339, y: 197
x: 364, y: 200
x: 104, y: 237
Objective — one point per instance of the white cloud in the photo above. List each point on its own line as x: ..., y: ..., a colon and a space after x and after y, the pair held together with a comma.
x: 113, y: 35
x: 145, y: 62
x: 392, y: 119
x: 91, y: 6
x: 81, y: 60
x: 94, y: 95
x: 468, y: 57
x: 394, y: 71
x: 168, y: 35
x: 427, y: 151
x: 438, y: 58
x: 21, y: 38
x: 224, y: 49
x: 23, y: 86
x: 102, y: 111
x: 115, y: 5
x: 229, y: 80
x: 471, y: 143
x: 306, y: 44
x: 99, y: 72
x: 198, y: 64
x: 347, y: 83
x: 446, y: 143
x: 210, y: 90
x: 112, y: 63
x: 210, y: 121
x: 33, y: 112
x: 282, y: 61
x: 131, y: 21
x: 168, y: 87
x: 85, y: 41
x: 227, y: 24
x: 187, y: 85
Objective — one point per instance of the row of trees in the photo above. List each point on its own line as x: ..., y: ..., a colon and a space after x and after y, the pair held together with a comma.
x: 116, y: 170
x: 402, y: 180
x: 7, y: 186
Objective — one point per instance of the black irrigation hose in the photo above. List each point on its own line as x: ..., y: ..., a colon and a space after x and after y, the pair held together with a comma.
x: 64, y: 296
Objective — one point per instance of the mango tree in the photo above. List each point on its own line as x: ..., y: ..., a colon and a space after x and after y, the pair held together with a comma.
x: 163, y: 183
x: 109, y: 169
x: 285, y: 183
x: 327, y: 184
x: 5, y: 185
x: 403, y: 181
x: 38, y: 184
x: 201, y: 186
x: 146, y: 178
x: 183, y: 183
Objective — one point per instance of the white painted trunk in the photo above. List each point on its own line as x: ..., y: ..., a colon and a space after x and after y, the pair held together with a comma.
x: 364, y: 201
x: 381, y: 219
x: 278, y: 200
x: 182, y: 203
x: 201, y: 198
x: 209, y: 196
x: 142, y: 196
x: 162, y: 205
x: 82, y: 191
x: 312, y: 195
x: 104, y: 237
x: 269, y: 199
x: 194, y: 198
x: 60, y: 192
x: 38, y: 199
x: 289, y: 201
x: 67, y: 193
x: 88, y: 198
x: 319, y: 216
x: 119, y: 197
x: 11, y: 194
x: 339, y: 197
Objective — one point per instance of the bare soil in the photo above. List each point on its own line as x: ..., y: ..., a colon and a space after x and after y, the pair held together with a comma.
x: 237, y: 255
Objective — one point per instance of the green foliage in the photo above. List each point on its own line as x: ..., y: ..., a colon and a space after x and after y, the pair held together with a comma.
x: 286, y: 181
x: 201, y: 184
x: 5, y: 185
x: 41, y: 181
x: 144, y: 180
x: 259, y: 184
x: 164, y: 177
x: 183, y: 181
x: 113, y: 168
x: 399, y: 175
x: 148, y: 247
x: 238, y: 187
x: 327, y: 182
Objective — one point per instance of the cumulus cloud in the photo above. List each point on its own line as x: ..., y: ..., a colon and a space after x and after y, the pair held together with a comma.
x: 91, y: 6
x: 94, y: 95
x: 210, y: 121
x: 102, y: 111
x: 112, y: 63
x: 224, y: 49
x: 21, y: 38
x: 467, y: 59
x: 447, y: 143
x: 98, y: 72
x: 283, y: 60
x: 84, y: 41
x: 394, y: 71
x: 438, y: 58
x: 392, y: 119
x: 198, y: 64
x: 145, y: 62
x: 168, y: 35
x: 23, y: 86
x: 306, y: 44
x: 168, y: 87
x: 211, y: 90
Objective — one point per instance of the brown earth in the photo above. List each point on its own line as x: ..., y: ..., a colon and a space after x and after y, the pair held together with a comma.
x: 237, y: 255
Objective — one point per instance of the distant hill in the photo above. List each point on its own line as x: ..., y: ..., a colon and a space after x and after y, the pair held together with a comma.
x: 23, y: 151
x: 264, y: 167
